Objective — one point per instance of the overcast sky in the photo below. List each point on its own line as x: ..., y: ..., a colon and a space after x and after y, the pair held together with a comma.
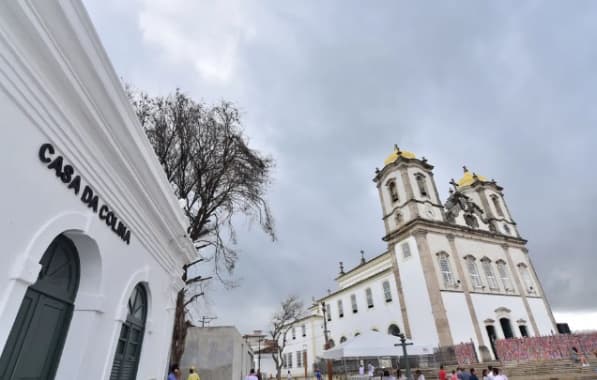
x: 327, y: 87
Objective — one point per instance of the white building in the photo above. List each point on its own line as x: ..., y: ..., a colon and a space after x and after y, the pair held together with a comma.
x: 93, y: 237
x: 304, y: 342
x: 452, y: 273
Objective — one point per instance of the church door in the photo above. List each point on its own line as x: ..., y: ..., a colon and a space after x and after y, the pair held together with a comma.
x: 492, y: 337
x: 35, y: 342
x: 128, y: 349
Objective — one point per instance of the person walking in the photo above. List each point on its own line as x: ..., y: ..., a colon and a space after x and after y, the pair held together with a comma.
x: 318, y: 374
x: 484, y: 374
x: 289, y: 376
x: 442, y: 373
x: 193, y: 375
x: 419, y: 375
x: 497, y: 375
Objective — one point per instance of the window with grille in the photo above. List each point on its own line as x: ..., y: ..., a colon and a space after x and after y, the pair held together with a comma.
x: 387, y: 292
x: 503, y: 273
x: 299, y: 359
x: 489, y: 274
x: 474, y: 272
x: 340, y: 309
x: 289, y: 360
x: 353, y: 301
x: 369, y: 296
x: 446, y: 270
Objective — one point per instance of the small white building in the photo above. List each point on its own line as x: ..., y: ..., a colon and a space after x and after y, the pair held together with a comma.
x: 93, y: 237
x: 304, y: 342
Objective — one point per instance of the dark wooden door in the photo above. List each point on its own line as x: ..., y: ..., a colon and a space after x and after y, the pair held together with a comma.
x: 34, y: 345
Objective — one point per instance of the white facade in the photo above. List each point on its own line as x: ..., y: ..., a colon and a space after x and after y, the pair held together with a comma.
x: 304, y: 339
x: 458, y: 272
x: 60, y: 97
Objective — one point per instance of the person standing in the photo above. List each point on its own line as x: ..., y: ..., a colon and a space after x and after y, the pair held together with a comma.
x: 473, y: 374
x: 174, y: 372
x: 317, y: 374
x: 251, y: 375
x: 465, y: 374
x: 484, y: 375
x: 454, y: 376
x: 289, y: 376
x: 361, y: 370
x: 371, y: 369
x: 419, y: 375
x: 497, y: 375
x: 442, y: 373
x: 193, y: 375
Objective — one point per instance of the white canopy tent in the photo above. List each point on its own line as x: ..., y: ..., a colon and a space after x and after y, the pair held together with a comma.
x: 373, y: 344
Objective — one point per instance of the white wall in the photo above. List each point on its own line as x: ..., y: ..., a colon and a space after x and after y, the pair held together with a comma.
x: 416, y: 296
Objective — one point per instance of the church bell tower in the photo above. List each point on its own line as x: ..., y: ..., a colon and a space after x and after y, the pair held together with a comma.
x: 407, y: 190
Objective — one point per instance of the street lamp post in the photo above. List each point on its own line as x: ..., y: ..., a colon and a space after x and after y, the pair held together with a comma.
x: 259, y: 354
x: 404, y: 344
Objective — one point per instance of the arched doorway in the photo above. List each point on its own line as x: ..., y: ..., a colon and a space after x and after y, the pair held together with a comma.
x: 34, y: 345
x: 393, y: 330
x: 492, y: 337
x: 506, y: 328
x: 128, y: 349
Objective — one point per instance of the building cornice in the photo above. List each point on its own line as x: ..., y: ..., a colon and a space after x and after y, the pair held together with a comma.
x: 401, y: 161
x: 452, y: 229
x: 56, y: 70
x: 361, y: 267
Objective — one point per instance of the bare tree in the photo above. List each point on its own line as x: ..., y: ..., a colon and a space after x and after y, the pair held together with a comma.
x: 291, y: 310
x: 215, y: 175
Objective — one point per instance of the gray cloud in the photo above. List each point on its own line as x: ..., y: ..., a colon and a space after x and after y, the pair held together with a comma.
x: 327, y: 88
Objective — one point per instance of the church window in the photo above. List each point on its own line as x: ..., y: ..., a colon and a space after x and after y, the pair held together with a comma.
x: 422, y: 184
x: 446, y: 270
x: 474, y: 272
x: 289, y: 360
x: 526, y: 277
x: 497, y: 205
x: 503, y: 273
x: 489, y: 274
x: 299, y: 359
x: 340, y: 309
x: 353, y: 301
x: 294, y: 333
x: 328, y: 311
x: 506, y: 229
x: 523, y: 331
x: 343, y: 339
x: 393, y: 330
x: 369, y: 295
x: 393, y: 191
x: 304, y: 330
x: 386, y: 291
x: 405, y: 250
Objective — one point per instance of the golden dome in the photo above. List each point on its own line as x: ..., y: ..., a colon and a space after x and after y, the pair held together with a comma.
x: 398, y: 153
x: 469, y: 178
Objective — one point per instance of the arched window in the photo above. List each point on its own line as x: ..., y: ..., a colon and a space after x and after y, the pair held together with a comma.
x: 343, y: 339
x: 445, y: 269
x: 489, y: 274
x: 369, y: 296
x: 504, y: 276
x: 421, y: 184
x: 353, y: 301
x: 526, y: 277
x: 497, y: 205
x: 393, y: 191
x: 393, y: 330
x: 328, y: 310
x: 340, y: 309
x: 128, y: 349
x: 386, y: 291
x: 304, y: 330
x: 293, y: 332
x: 473, y: 272
x: 523, y: 331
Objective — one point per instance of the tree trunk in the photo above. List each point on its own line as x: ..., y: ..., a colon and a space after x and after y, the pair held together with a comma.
x: 179, y: 333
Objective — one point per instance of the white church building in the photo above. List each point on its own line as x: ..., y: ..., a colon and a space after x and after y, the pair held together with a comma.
x: 453, y: 272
